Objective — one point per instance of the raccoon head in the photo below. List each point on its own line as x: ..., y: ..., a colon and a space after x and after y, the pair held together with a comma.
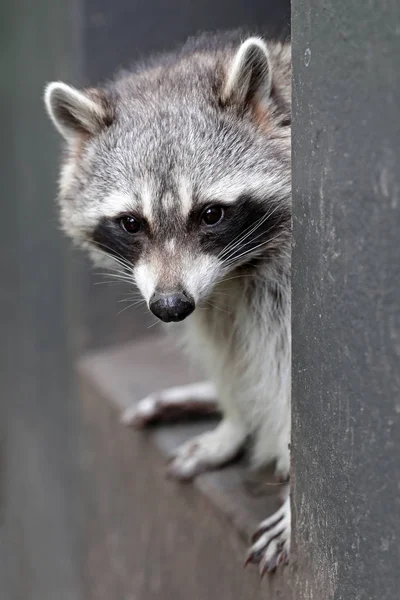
x: 180, y: 172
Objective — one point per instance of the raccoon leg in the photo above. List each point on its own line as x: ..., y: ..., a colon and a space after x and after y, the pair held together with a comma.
x: 173, y: 403
x: 271, y: 546
x: 208, y: 451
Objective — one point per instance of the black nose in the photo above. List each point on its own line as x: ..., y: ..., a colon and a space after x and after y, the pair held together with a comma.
x: 171, y: 307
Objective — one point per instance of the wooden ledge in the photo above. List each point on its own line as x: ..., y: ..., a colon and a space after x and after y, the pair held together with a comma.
x: 129, y: 492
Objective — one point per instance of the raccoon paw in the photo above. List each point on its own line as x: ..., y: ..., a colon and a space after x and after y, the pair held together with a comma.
x: 196, y: 399
x: 271, y: 546
x: 143, y: 413
x: 207, y: 451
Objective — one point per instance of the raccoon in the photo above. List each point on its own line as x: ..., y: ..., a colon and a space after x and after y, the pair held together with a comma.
x: 178, y: 173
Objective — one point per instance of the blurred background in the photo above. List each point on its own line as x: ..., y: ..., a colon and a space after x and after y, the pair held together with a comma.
x: 51, y: 311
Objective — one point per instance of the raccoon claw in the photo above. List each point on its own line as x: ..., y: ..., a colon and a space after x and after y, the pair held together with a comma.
x: 269, y: 566
x: 282, y: 477
x: 268, y: 559
x: 271, y: 542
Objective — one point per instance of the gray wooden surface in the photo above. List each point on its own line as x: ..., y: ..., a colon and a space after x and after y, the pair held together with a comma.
x: 346, y: 298
x: 148, y: 536
x: 38, y: 405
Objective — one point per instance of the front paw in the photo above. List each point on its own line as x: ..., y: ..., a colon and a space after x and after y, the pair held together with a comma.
x: 189, y: 460
x: 207, y: 451
x: 142, y: 414
x: 195, y: 399
x: 271, y: 546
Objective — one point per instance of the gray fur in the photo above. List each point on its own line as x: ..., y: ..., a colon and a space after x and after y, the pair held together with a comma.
x: 207, y: 124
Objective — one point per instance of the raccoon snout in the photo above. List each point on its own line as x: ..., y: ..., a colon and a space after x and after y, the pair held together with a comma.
x: 171, y: 307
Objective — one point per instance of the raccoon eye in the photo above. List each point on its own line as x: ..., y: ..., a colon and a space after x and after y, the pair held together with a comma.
x: 129, y: 224
x: 212, y: 215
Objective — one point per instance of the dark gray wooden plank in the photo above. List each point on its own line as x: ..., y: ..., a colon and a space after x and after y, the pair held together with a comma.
x: 40, y: 536
x: 346, y: 298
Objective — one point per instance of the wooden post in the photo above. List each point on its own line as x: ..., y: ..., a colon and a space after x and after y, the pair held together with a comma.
x: 346, y: 299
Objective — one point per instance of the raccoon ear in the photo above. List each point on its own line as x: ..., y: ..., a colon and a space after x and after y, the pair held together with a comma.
x: 76, y: 113
x: 249, y: 76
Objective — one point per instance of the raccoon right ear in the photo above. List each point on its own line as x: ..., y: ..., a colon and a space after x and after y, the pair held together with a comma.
x: 76, y: 113
x: 249, y: 77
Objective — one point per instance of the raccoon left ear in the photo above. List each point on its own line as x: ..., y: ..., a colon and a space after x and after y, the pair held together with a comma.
x: 75, y: 112
x: 249, y: 76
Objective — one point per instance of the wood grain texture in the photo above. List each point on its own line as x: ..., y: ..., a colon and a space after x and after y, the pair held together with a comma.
x: 346, y: 297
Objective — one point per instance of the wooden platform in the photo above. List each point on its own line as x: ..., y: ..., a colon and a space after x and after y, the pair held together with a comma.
x: 145, y: 535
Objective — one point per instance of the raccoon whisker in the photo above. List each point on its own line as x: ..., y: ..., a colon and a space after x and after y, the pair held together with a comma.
x: 130, y: 306
x: 114, y: 281
x: 117, y: 279
x: 152, y: 325
x: 120, y: 263
x: 237, y: 277
x: 115, y: 271
x: 250, y: 241
x: 241, y: 247
x: 231, y: 254
x: 131, y: 298
x: 244, y: 235
x: 107, y: 282
x: 217, y: 307
x: 118, y: 275
x: 219, y: 293
x: 119, y: 258
x: 216, y: 294
x: 277, y: 236
x: 134, y: 293
x: 236, y: 258
x: 125, y: 269
x: 241, y: 237
x: 125, y: 266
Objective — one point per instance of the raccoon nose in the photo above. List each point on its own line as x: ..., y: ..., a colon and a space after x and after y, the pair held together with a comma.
x: 171, y: 307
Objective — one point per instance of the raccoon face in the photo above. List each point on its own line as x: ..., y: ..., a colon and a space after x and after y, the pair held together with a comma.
x: 179, y: 174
